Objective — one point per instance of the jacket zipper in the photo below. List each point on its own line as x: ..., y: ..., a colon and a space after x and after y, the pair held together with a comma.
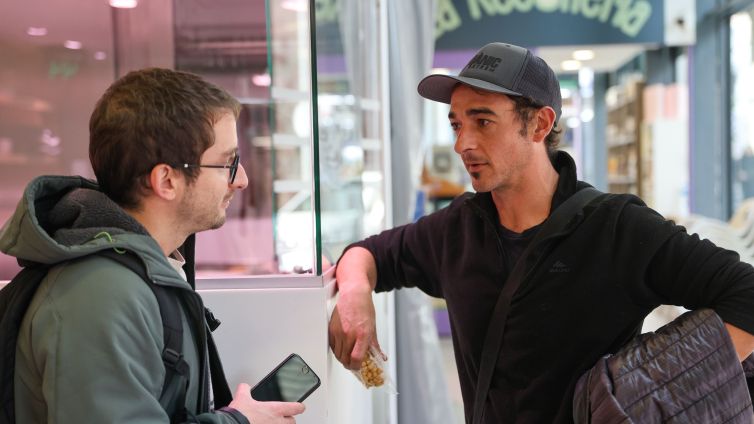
x: 486, y: 219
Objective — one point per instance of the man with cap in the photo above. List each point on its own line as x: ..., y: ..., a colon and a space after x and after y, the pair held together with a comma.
x: 583, y: 294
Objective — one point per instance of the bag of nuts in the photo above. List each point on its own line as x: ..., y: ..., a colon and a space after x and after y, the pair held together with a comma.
x: 372, y: 372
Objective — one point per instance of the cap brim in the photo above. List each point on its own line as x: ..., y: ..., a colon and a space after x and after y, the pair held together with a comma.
x: 440, y: 87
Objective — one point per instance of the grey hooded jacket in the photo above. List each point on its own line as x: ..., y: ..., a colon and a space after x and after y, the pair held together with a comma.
x: 90, y: 344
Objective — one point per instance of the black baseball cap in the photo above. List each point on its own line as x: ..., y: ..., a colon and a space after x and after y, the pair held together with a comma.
x: 500, y: 68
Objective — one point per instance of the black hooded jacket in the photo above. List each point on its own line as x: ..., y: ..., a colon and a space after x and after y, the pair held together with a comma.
x: 586, y: 294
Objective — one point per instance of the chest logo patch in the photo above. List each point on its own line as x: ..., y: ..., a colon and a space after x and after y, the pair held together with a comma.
x: 559, y: 267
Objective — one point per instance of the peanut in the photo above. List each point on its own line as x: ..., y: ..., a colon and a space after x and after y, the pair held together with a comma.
x: 371, y: 373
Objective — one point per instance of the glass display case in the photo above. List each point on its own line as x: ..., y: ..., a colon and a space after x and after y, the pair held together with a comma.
x: 351, y: 110
x: 311, y: 131
x: 312, y: 127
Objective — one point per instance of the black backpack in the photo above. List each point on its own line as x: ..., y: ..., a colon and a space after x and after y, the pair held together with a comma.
x: 16, y: 297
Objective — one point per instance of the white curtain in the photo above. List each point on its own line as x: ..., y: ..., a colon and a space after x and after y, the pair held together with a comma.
x: 422, y: 385
x: 423, y: 395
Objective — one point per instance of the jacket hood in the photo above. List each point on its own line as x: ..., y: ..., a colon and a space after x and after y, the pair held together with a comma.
x: 568, y: 184
x: 61, y: 218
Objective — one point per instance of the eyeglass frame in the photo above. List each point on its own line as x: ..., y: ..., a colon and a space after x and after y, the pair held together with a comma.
x: 233, y: 167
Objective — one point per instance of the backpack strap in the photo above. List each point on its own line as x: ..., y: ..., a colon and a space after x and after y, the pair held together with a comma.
x: 15, y: 298
x: 494, y: 337
x: 173, y: 396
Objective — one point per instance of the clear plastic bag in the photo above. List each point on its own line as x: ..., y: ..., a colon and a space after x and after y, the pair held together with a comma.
x: 373, y: 371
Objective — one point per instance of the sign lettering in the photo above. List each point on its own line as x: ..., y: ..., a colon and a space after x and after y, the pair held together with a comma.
x: 628, y: 18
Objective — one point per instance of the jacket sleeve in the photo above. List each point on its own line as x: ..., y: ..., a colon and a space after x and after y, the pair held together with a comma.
x: 410, y: 255
x: 97, y: 342
x: 223, y: 416
x: 695, y: 273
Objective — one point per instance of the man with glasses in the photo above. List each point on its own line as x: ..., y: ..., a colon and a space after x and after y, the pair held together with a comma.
x: 164, y: 148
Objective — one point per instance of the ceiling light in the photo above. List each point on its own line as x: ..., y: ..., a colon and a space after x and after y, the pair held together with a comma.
x: 583, y: 55
x: 570, y: 65
x: 261, y: 80
x: 73, y: 45
x: 37, y: 31
x: 100, y: 55
x: 39, y: 106
x: 124, y: 4
x: 295, y: 5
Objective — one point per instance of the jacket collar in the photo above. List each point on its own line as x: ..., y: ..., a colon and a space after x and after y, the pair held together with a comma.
x: 568, y: 184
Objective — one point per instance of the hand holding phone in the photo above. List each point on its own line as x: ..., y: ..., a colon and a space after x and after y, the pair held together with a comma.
x: 291, y: 381
x: 264, y: 412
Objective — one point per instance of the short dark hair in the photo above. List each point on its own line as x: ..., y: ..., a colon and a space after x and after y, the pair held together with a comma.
x: 525, y: 106
x: 148, y: 117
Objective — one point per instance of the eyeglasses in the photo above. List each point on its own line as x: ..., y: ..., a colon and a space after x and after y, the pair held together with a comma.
x: 233, y: 167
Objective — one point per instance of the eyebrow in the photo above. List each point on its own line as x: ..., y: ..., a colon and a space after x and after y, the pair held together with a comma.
x: 231, y: 152
x: 474, y: 111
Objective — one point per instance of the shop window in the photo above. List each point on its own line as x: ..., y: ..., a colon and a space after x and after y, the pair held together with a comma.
x: 53, y: 69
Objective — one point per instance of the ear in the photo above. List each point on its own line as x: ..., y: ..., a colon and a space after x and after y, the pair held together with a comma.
x: 165, y: 181
x: 544, y: 120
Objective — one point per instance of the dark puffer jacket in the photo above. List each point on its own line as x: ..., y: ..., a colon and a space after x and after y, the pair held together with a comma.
x: 685, y: 372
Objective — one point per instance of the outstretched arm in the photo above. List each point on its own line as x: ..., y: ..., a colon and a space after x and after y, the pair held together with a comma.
x: 352, y: 325
x: 742, y: 341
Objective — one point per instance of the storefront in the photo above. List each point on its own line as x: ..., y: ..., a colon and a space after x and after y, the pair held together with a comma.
x: 312, y: 137
x: 669, y: 119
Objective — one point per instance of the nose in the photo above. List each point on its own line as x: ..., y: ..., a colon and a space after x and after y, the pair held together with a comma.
x: 242, y: 179
x: 464, y: 142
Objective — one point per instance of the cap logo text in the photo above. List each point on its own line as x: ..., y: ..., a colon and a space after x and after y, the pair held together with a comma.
x: 484, y: 62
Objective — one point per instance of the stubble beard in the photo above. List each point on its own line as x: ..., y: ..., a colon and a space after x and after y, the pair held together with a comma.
x: 476, y: 182
x: 219, y: 222
x: 210, y: 220
x: 199, y: 217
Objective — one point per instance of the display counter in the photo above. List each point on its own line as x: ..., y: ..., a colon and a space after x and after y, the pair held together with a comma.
x: 264, y: 319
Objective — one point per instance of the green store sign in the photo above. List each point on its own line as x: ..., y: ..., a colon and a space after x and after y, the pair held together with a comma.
x: 469, y: 24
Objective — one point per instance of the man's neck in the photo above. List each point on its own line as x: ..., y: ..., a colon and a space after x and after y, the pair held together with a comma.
x: 163, y: 229
x: 528, y: 203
